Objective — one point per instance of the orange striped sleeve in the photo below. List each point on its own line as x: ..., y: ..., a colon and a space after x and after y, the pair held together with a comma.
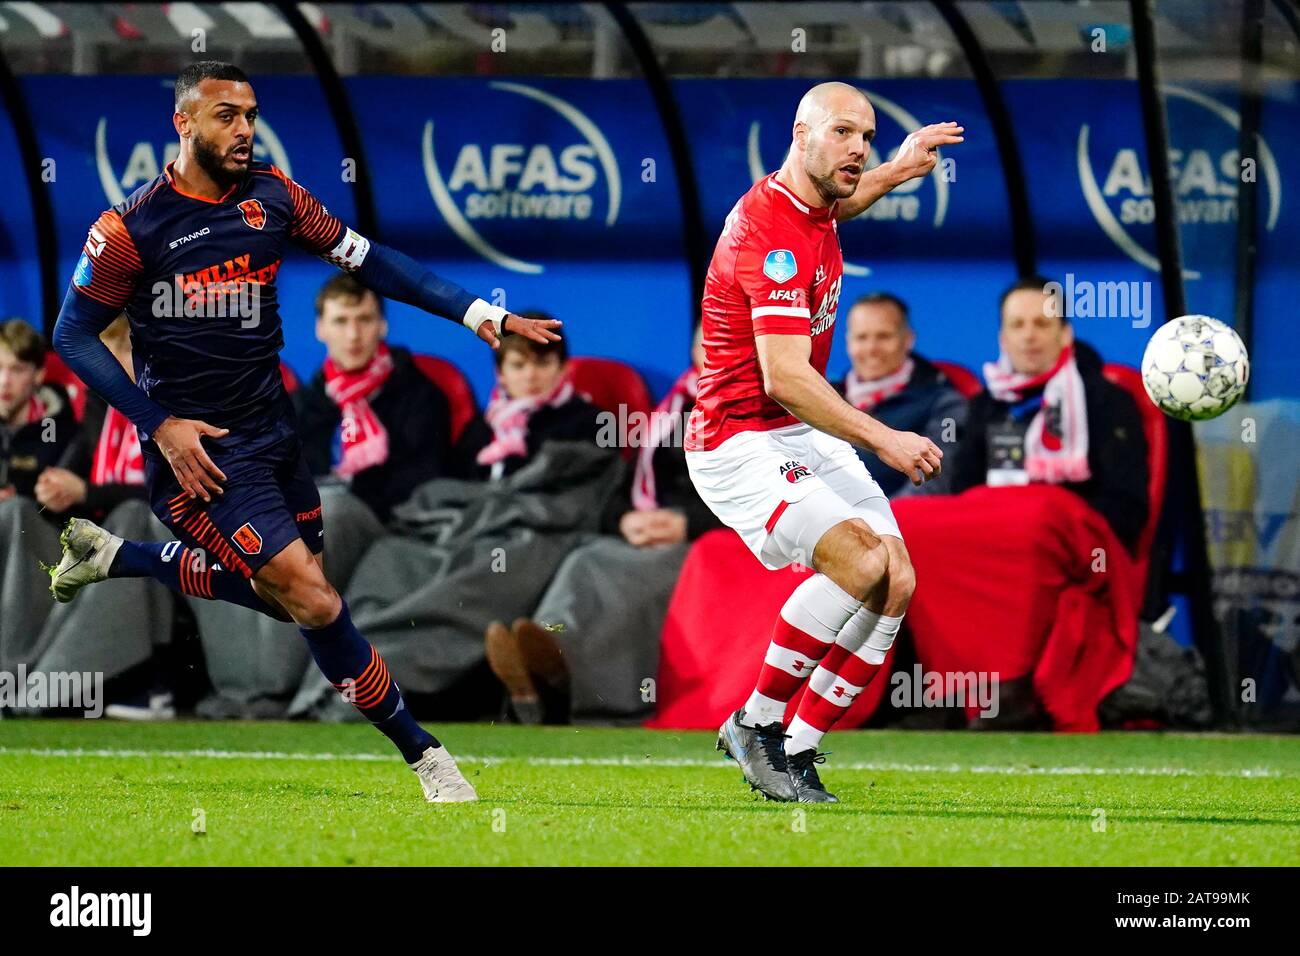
x: 313, y: 227
x: 110, y: 266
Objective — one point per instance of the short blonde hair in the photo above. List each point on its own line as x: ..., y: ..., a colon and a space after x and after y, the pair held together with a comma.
x: 24, y: 341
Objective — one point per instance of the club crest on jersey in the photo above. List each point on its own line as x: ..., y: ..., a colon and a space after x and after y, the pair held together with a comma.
x: 249, y: 541
x: 253, y: 212
x: 779, y: 266
x: 795, y: 471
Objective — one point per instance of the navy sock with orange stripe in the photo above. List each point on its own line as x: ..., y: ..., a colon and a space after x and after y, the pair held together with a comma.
x: 188, y: 571
x: 356, y: 670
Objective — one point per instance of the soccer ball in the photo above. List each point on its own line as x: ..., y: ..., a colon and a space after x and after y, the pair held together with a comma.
x: 1195, y: 368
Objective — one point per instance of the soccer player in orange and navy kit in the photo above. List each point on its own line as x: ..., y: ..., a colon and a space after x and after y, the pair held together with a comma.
x: 768, y: 443
x: 191, y: 258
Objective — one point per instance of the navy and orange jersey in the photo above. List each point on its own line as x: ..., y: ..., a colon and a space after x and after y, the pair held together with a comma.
x: 196, y: 279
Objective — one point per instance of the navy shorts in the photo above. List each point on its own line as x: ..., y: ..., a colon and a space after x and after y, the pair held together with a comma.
x: 270, y: 499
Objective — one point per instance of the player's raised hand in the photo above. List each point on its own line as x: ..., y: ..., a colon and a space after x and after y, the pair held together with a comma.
x: 539, y: 330
x: 919, y: 152
x: 181, y: 442
x: 912, y: 454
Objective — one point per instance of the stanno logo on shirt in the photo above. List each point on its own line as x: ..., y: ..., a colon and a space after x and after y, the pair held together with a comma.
x: 190, y: 238
x: 795, y: 471
x: 95, y: 242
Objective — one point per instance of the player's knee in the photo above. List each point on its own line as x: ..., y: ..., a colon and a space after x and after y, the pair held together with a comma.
x: 870, y: 567
x: 902, y: 579
x: 311, y: 600
x: 319, y: 608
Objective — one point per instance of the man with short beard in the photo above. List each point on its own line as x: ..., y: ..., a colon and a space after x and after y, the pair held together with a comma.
x: 896, y: 385
x: 192, y: 257
x: 769, y: 444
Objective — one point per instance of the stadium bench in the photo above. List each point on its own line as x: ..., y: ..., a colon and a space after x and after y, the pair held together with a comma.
x: 609, y: 383
x: 57, y: 373
x: 963, y: 379
x: 1154, y: 427
x: 460, y: 397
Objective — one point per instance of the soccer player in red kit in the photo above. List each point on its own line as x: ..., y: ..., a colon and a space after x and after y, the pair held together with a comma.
x: 768, y: 444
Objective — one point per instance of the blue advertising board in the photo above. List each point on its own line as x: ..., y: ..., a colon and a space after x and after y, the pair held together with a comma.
x: 20, y: 294
x: 556, y: 195
x: 560, y: 194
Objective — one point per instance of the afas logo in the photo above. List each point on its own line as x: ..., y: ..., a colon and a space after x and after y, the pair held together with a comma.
x: 795, y: 471
x: 564, y: 174
x: 1206, y: 172
x: 144, y: 160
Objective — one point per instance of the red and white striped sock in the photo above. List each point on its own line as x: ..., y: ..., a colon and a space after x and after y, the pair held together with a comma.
x: 811, y: 618
x: 844, y: 673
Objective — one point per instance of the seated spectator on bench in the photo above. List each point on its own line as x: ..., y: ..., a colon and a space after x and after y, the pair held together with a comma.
x: 897, y: 386
x: 103, y: 466
x: 1048, y: 415
x: 37, y: 423
x: 533, y: 402
x: 463, y: 554
x: 594, y: 639
x: 99, y: 474
x: 369, y: 417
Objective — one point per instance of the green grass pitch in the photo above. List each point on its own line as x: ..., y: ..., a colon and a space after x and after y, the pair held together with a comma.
x: 99, y: 793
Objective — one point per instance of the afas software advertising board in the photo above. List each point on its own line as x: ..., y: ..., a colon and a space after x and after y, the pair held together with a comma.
x: 562, y: 195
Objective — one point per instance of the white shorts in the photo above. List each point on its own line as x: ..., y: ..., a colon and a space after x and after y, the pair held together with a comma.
x: 781, y: 490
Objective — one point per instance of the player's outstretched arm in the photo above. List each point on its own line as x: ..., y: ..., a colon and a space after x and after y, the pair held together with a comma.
x: 790, y: 379
x: 916, y: 157
x: 76, y: 339
x: 396, y: 275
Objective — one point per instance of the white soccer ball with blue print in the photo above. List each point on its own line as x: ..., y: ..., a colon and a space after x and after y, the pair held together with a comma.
x: 1195, y: 368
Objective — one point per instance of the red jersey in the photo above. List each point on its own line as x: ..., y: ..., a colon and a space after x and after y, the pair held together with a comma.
x: 777, y: 268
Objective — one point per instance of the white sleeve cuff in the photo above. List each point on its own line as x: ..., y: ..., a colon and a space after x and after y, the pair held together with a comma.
x: 480, y: 312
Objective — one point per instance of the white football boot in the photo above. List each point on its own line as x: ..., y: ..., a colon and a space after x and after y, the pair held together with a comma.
x: 441, y: 778
x: 88, y: 552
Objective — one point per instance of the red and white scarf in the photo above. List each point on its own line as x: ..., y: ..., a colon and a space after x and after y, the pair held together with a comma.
x: 665, y: 422
x: 865, y: 394
x: 508, y: 418
x: 1052, y: 455
x: 118, y: 460
x: 35, y: 411
x: 365, y: 440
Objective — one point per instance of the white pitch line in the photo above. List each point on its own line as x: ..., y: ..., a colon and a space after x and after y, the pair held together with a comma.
x: 630, y: 761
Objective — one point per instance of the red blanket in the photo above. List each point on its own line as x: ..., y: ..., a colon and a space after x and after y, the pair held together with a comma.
x: 1024, y: 580
x: 717, y: 630
x: 1006, y: 583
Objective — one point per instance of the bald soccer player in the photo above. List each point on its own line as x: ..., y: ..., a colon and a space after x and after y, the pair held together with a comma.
x: 768, y: 445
